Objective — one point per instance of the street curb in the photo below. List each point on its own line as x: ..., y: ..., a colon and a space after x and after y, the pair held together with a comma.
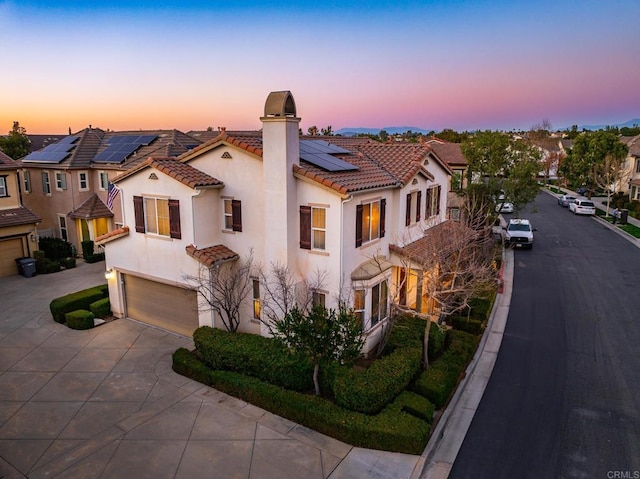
x: 428, y: 467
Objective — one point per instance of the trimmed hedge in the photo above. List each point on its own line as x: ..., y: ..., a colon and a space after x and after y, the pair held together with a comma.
x: 79, y: 300
x: 47, y: 266
x: 94, y: 258
x: 406, y: 331
x: 439, y: 381
x: 469, y: 325
x: 101, y: 308
x: 80, y: 319
x: 414, y: 404
x: 481, y: 307
x: 255, y: 356
x: 391, y: 430
x: 55, y: 248
x: 68, y: 263
x: 437, y: 341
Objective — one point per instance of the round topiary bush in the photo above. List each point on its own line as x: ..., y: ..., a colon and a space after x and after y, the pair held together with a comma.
x: 80, y: 319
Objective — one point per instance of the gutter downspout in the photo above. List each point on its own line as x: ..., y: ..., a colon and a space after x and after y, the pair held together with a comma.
x: 342, y: 246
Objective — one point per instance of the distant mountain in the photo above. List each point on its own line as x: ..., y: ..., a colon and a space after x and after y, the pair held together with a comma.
x: 628, y: 124
x: 392, y: 130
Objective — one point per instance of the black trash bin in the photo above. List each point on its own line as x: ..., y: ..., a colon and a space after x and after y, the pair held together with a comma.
x: 26, y: 267
x: 622, y: 216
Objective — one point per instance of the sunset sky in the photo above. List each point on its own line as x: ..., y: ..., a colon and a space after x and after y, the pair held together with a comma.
x: 431, y: 64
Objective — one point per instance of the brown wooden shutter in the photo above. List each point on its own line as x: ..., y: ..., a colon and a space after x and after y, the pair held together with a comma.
x: 383, y: 211
x: 428, y: 213
x: 418, y: 200
x: 407, y: 216
x: 236, y: 215
x: 174, y: 219
x: 138, y: 209
x: 358, y: 225
x: 438, y: 200
x: 305, y: 227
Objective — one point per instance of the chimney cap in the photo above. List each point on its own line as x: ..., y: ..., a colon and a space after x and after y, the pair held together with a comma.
x: 280, y: 104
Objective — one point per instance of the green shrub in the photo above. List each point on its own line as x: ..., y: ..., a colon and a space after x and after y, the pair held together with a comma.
x: 254, y: 356
x: 462, y: 323
x: 80, y: 319
x: 391, y: 430
x: 481, y: 307
x: 37, y: 254
x: 437, y: 338
x: 438, y: 382
x: 414, y: 404
x: 101, y: 308
x: 406, y: 331
x: 68, y: 263
x: 47, y: 266
x: 87, y: 248
x: 55, y: 248
x: 79, y: 300
x: 369, y: 391
x: 94, y: 258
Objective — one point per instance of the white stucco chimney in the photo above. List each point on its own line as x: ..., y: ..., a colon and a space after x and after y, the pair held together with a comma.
x: 280, y: 151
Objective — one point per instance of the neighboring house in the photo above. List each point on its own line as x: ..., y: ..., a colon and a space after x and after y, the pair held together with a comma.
x: 17, y: 223
x: 452, y: 154
x: 631, y: 180
x: 306, y: 203
x: 67, y: 183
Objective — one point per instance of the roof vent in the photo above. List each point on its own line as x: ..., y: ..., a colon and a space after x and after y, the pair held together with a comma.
x: 280, y: 104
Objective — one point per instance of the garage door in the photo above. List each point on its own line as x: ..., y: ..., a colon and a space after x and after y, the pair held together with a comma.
x: 168, y: 307
x: 9, y: 251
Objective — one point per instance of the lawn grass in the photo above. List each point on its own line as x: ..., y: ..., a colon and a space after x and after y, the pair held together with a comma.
x: 628, y: 228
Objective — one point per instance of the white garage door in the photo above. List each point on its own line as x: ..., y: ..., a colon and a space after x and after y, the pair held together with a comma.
x: 9, y: 251
x: 168, y: 307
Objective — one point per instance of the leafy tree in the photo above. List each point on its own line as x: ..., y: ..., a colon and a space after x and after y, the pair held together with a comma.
x: 16, y: 144
x: 630, y: 131
x: 328, y: 131
x: 504, y: 165
x: 452, y: 136
x: 313, y: 130
x: 323, y: 335
x: 383, y: 135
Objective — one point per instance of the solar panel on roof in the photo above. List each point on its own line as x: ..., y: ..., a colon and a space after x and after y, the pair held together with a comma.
x: 53, y: 153
x: 121, y: 146
x: 318, y: 153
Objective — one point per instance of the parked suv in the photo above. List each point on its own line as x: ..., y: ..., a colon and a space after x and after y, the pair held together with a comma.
x: 519, y: 234
x: 582, y: 207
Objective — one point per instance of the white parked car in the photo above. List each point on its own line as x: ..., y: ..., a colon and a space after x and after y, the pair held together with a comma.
x: 505, y: 207
x: 582, y: 207
x: 519, y: 234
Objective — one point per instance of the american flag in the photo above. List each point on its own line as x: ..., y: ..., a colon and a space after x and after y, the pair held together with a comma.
x: 113, y: 192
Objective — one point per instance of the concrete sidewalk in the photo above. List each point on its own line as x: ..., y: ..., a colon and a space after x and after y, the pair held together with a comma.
x: 105, y: 403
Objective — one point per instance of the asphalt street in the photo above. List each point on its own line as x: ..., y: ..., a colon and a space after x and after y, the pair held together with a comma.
x: 563, y: 399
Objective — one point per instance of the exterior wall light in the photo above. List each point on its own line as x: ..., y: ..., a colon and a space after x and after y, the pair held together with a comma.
x: 110, y: 274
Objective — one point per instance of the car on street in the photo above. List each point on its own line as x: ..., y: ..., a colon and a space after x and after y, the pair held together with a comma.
x: 582, y: 207
x: 566, y: 200
x: 519, y: 233
x: 506, y: 207
x: 582, y: 190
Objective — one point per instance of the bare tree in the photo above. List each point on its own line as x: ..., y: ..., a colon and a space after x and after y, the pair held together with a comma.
x: 609, y: 175
x: 223, y: 287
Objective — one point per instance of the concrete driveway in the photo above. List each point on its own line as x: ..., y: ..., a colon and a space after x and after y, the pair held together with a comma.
x: 104, y: 403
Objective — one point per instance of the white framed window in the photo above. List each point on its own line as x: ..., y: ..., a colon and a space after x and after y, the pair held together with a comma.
x: 104, y: 180
x: 62, y: 227
x: 232, y: 214
x: 370, y: 221
x: 3, y: 186
x: 379, y: 302
x: 358, y: 306
x: 433, y: 201
x: 318, y: 228
x: 83, y: 180
x: 46, y: 183
x: 26, y: 180
x: 256, y: 299
x: 61, y: 180
x: 156, y: 216
x: 228, y: 214
x: 413, y: 208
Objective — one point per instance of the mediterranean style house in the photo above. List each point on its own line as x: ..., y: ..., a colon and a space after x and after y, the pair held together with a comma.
x: 631, y: 180
x: 346, y: 207
x: 17, y: 223
x: 67, y: 182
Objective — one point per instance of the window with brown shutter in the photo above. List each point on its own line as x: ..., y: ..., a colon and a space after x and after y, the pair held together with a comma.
x: 358, y: 226
x: 305, y: 227
x: 427, y: 211
x: 138, y: 209
x: 438, y: 200
x: 383, y: 211
x: 236, y: 207
x: 407, y: 216
x: 174, y: 219
x: 418, y: 200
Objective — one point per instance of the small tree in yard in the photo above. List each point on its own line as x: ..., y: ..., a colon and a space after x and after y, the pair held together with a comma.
x: 609, y: 175
x: 323, y: 335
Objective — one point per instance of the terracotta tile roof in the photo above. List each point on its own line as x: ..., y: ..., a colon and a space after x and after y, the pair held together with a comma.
x: 7, y: 163
x: 91, y: 208
x: 342, y: 141
x: 450, y: 153
x: 112, y: 235
x: 182, y: 172
x: 422, y: 250
x: 211, y: 255
x: 248, y: 141
x: 18, y: 216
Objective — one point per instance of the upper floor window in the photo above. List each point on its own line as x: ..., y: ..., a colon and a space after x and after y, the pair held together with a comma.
x: 104, y: 181
x: 370, y: 221
x: 232, y: 214
x: 61, y: 180
x: 412, y: 211
x: 46, y: 183
x: 158, y: 216
x: 637, y: 164
x: 313, y: 227
x: 3, y: 186
x: 256, y: 299
x: 26, y: 179
x: 83, y: 180
x: 358, y: 306
x: 433, y: 201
